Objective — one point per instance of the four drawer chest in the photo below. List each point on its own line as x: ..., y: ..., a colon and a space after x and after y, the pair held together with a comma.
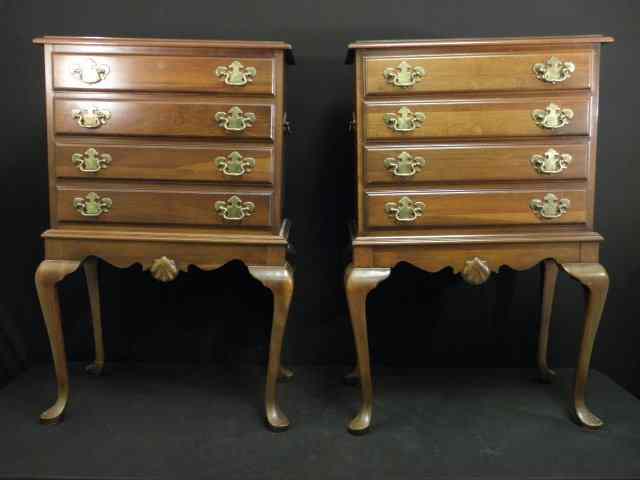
x: 164, y: 153
x: 475, y: 154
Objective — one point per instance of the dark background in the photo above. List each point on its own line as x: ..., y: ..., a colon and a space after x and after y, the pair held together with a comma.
x: 224, y: 316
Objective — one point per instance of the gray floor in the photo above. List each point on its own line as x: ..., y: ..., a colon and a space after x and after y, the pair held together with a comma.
x: 189, y: 422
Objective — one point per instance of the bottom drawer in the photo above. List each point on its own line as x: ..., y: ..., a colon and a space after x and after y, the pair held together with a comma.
x: 474, y: 208
x: 171, y: 207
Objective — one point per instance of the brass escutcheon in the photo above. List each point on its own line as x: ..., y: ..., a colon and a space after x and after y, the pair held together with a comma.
x: 91, y: 161
x: 404, y: 121
x: 550, y: 206
x: 404, y: 210
x: 404, y: 75
x: 92, y: 117
x: 234, y: 208
x: 235, y: 120
x: 554, y: 70
x: 236, y: 74
x: 404, y: 165
x: 552, y: 116
x: 235, y: 165
x: 90, y: 72
x: 92, y: 205
x: 551, y: 162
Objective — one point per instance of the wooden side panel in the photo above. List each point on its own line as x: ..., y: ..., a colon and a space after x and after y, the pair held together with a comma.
x: 159, y: 73
x: 171, y: 118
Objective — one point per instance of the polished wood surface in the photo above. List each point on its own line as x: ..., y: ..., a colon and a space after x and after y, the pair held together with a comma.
x: 470, y: 207
x: 156, y: 155
x: 175, y: 118
x: 474, y: 162
x: 470, y: 162
x: 477, y: 72
x: 477, y: 118
x: 181, y: 162
x: 147, y: 73
x: 179, y: 206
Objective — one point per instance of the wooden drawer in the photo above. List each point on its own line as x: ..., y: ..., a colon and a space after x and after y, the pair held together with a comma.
x: 163, y: 73
x: 476, y: 118
x: 422, y: 72
x: 474, y: 162
x: 468, y: 208
x: 139, y: 205
x: 215, y: 163
x: 171, y: 118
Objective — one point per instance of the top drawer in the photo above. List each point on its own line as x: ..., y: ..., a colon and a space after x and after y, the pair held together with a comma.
x: 417, y: 73
x: 227, y: 75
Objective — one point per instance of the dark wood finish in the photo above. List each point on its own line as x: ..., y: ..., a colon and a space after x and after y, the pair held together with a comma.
x: 476, y: 179
x: 162, y: 177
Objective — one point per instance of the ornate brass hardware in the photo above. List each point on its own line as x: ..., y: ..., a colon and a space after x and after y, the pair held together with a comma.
x: 164, y: 269
x: 404, y: 165
x: 550, y: 206
x: 234, y: 209
x: 404, y: 75
x: 476, y: 271
x: 235, y: 120
x: 235, y: 165
x: 90, y: 72
x: 92, y: 117
x: 552, y: 116
x: 91, y: 161
x: 92, y: 205
x: 236, y: 74
x: 554, y: 70
x: 551, y: 162
x: 404, y: 121
x: 405, y: 210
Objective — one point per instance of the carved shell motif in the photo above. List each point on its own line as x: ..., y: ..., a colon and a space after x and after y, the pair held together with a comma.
x: 476, y: 271
x: 164, y: 269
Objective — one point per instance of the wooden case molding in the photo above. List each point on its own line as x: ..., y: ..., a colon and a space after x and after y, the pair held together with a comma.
x: 135, y: 130
x: 487, y: 115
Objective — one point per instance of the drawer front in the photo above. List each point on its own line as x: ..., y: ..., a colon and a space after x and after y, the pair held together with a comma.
x: 460, y: 163
x: 474, y: 208
x: 227, y: 75
x: 175, y: 207
x: 225, y: 164
x: 424, y: 73
x: 163, y: 118
x: 532, y: 117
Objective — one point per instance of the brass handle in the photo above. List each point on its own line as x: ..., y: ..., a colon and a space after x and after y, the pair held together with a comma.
x: 92, y: 117
x: 91, y: 161
x: 92, y: 205
x: 235, y: 165
x: 554, y: 70
x: 552, y: 116
x: 404, y: 165
x: 236, y: 74
x: 404, y: 121
x: 404, y: 75
x: 404, y: 210
x: 90, y: 72
x: 551, y: 162
x: 550, y: 206
x: 235, y: 120
x: 234, y: 209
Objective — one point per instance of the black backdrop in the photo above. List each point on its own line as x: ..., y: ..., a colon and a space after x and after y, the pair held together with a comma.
x: 224, y: 316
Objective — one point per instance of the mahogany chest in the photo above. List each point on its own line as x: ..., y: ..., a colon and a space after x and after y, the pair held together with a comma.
x: 166, y: 153
x: 474, y: 154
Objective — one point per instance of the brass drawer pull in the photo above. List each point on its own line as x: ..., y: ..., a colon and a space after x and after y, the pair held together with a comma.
x: 405, y: 210
x: 235, y: 165
x: 92, y: 117
x: 554, y: 70
x: 552, y: 116
x: 91, y: 161
x: 236, y: 74
x: 234, y: 209
x: 90, y: 72
x: 92, y: 205
x: 404, y: 75
x: 404, y: 165
x: 404, y: 121
x: 550, y: 206
x: 551, y: 162
x: 164, y: 269
x: 235, y: 120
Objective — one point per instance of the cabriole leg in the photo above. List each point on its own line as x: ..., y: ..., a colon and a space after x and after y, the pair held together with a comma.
x: 91, y: 273
x: 550, y: 275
